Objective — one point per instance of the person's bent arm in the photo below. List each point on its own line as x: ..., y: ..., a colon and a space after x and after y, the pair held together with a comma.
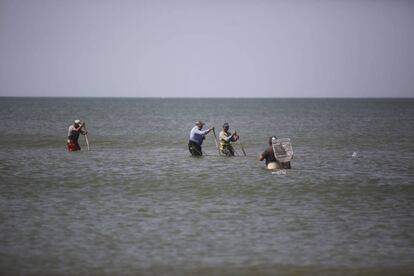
x: 225, y: 138
x: 261, y: 157
x: 204, y: 132
x: 78, y: 128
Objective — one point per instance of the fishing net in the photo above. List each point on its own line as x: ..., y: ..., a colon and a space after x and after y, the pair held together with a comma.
x: 282, y: 149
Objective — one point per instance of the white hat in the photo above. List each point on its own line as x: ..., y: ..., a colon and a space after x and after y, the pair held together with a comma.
x: 77, y: 122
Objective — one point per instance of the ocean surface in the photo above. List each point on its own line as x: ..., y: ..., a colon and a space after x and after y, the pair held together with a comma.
x: 137, y: 203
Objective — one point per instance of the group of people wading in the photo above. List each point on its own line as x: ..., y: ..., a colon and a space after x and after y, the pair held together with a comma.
x: 197, y: 136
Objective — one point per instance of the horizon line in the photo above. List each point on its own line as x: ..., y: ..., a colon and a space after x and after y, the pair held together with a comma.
x: 181, y: 97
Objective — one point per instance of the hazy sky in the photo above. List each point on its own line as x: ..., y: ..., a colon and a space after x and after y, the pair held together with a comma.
x: 215, y: 48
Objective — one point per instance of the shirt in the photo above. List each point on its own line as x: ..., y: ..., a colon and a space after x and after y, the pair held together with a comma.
x: 197, y: 136
x: 225, y: 138
x: 73, y: 135
x: 269, y: 155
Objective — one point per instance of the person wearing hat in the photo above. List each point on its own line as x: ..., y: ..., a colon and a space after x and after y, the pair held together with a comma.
x: 271, y: 162
x: 225, y: 140
x: 73, y: 135
x: 197, y: 135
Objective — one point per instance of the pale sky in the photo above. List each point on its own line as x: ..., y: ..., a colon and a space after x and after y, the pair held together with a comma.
x: 216, y: 48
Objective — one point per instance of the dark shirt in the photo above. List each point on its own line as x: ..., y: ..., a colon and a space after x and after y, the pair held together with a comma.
x: 74, y: 135
x: 269, y: 155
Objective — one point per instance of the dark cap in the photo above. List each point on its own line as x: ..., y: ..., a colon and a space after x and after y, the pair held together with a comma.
x: 226, y: 125
x: 271, y: 138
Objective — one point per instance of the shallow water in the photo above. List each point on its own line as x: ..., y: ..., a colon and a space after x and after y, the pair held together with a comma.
x: 137, y: 203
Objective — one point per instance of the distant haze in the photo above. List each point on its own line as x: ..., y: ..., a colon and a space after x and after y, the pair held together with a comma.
x: 217, y: 48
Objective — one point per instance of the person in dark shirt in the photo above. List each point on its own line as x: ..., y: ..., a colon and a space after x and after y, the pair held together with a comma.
x: 73, y: 135
x: 269, y: 156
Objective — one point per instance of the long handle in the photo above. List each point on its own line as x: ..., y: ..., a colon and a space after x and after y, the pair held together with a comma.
x: 87, y: 142
x: 215, y: 140
x: 86, y: 138
x: 242, y: 148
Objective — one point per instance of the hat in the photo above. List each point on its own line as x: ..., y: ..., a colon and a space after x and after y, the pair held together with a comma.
x: 226, y: 125
x: 199, y: 123
x: 77, y: 122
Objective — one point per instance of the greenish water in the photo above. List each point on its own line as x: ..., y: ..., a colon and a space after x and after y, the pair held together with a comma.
x: 137, y: 203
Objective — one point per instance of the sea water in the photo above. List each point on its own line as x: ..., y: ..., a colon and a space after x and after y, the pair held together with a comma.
x: 138, y: 203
